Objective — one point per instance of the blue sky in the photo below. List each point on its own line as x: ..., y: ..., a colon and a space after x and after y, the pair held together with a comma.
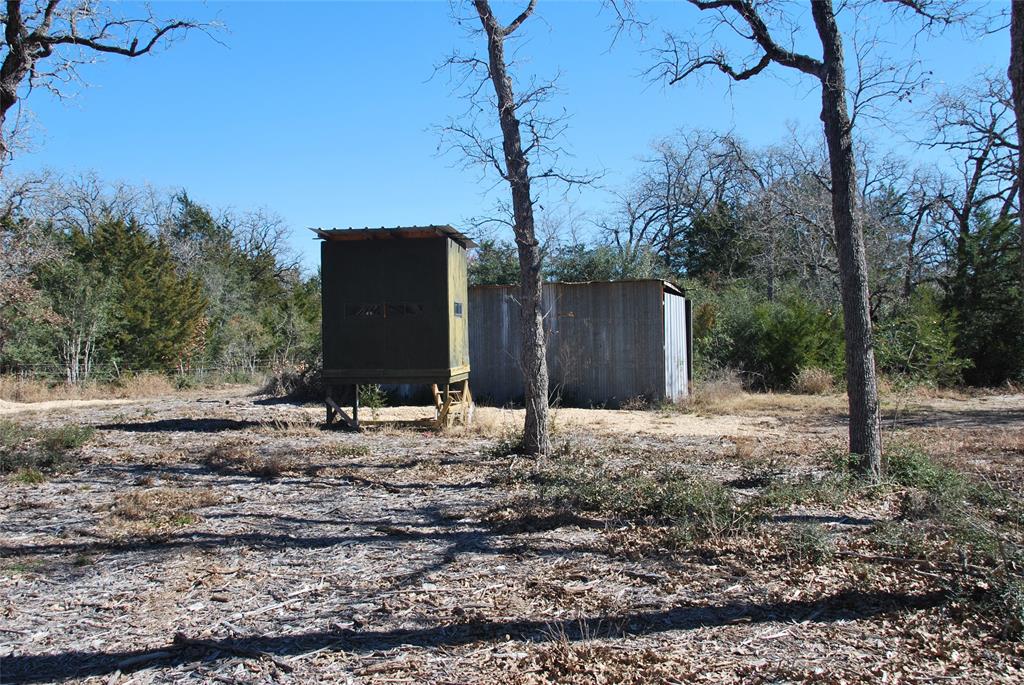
x: 325, y: 112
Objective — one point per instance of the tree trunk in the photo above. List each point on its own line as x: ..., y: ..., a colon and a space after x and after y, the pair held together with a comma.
x: 862, y: 386
x: 15, y: 68
x: 1016, y: 75
x: 536, y: 439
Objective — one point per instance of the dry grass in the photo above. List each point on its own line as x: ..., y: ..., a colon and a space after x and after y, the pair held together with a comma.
x: 238, y: 457
x: 145, y: 385
x: 717, y: 402
x: 158, y: 509
x: 812, y: 380
x: 17, y: 389
x: 293, y: 426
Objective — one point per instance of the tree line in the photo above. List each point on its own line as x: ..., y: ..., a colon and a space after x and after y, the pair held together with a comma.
x: 748, y: 231
x: 128, y: 279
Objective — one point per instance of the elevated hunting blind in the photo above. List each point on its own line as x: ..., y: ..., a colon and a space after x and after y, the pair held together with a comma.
x: 395, y: 311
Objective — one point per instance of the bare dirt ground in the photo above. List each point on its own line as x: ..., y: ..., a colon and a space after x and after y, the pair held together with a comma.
x: 220, y: 537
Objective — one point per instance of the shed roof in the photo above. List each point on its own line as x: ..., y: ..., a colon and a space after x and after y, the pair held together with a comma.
x: 396, y: 232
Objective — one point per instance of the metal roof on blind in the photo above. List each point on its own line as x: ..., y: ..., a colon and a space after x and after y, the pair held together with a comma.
x: 396, y: 232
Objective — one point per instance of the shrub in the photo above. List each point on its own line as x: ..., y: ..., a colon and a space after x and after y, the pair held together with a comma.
x: 1006, y: 607
x: 768, y: 342
x: 43, y: 450
x: 910, y: 466
x: 918, y: 343
x: 696, y: 508
x: 809, y: 542
x: 59, y: 440
x: 372, y: 397
x: 832, y: 489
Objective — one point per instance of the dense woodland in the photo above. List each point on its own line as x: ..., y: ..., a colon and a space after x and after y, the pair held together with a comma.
x: 102, y: 281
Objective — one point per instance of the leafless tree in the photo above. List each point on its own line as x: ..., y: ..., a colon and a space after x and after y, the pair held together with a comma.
x: 528, y: 136
x: 46, y: 41
x: 751, y: 20
x: 976, y: 126
x: 688, y: 176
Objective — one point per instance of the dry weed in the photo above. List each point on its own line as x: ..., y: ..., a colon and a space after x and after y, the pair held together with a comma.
x: 17, y: 389
x: 490, y: 422
x: 157, y: 509
x: 812, y: 380
x: 293, y: 426
x: 237, y: 457
x: 146, y: 384
x: 746, y: 448
x: 584, y: 659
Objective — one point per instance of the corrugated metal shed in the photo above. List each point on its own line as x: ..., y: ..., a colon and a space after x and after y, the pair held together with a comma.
x: 607, y: 342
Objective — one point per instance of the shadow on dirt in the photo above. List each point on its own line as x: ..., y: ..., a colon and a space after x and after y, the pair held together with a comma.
x: 844, y: 606
x: 181, y: 426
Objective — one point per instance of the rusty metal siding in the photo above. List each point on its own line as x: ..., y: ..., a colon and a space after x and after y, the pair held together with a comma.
x: 676, y: 352
x: 606, y: 342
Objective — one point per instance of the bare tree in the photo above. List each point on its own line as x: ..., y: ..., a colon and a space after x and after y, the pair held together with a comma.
x: 977, y: 127
x: 527, y: 135
x: 45, y: 42
x: 747, y: 18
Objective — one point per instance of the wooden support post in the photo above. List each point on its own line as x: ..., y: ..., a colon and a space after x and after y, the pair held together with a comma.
x: 437, y: 400
x: 355, y: 407
x: 467, y: 403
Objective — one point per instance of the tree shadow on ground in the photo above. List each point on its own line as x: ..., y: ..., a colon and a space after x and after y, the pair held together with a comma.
x: 843, y: 606
x: 181, y: 425
x: 924, y: 418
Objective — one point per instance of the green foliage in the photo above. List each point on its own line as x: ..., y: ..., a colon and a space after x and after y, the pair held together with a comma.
x: 495, y: 262
x: 154, y: 312
x: 696, y: 508
x: 372, y: 396
x: 810, y: 543
x: 910, y: 466
x: 918, y: 342
x: 767, y: 341
x: 984, y: 296
x: 576, y: 263
x: 832, y: 489
x: 716, y: 245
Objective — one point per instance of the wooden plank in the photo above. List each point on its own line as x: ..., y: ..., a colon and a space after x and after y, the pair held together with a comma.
x: 341, y: 413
